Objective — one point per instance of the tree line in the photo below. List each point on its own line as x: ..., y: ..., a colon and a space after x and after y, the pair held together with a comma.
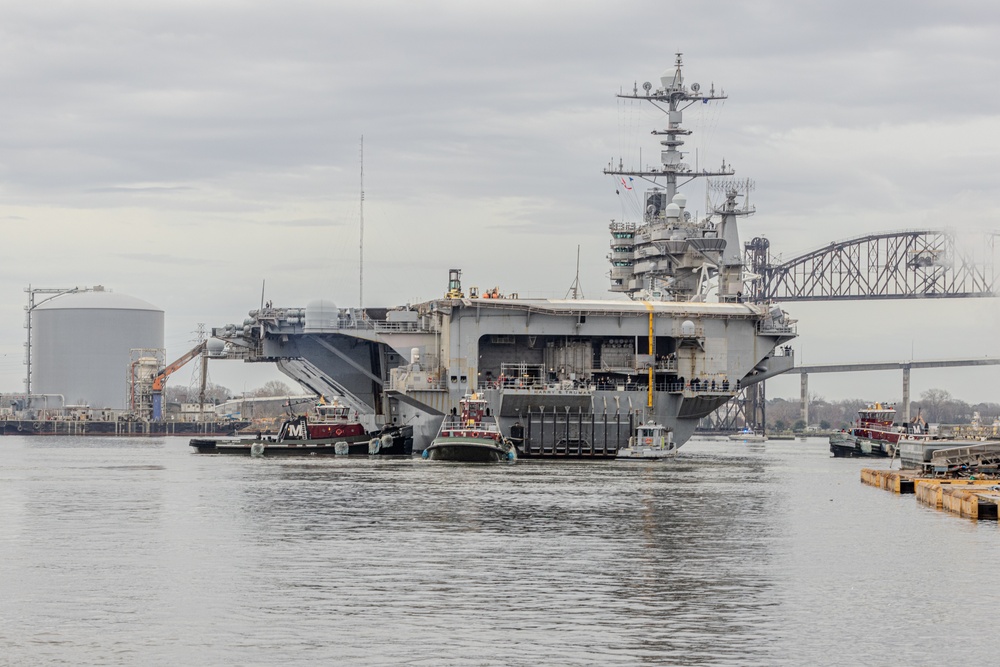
x: 216, y: 394
x: 936, y: 406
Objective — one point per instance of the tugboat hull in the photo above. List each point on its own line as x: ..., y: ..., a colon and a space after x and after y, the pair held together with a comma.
x: 847, y: 446
x: 469, y: 452
x: 397, y: 443
x: 630, y: 454
x: 846, y: 451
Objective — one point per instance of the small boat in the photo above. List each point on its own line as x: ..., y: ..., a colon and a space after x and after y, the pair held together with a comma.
x: 651, y: 441
x: 473, y: 435
x: 844, y: 444
x: 331, y: 431
x: 748, y: 435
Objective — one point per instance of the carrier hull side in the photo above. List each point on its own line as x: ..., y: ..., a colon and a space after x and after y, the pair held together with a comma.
x: 699, y: 356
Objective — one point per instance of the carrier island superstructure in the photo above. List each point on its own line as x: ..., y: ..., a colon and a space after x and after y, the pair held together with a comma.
x: 679, y: 346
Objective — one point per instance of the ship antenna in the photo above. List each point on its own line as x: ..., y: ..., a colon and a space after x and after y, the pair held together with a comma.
x: 361, y: 249
x: 575, y: 288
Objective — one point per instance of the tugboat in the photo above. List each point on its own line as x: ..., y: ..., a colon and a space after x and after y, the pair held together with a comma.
x: 652, y: 441
x: 473, y: 435
x: 330, y: 432
x: 875, y: 433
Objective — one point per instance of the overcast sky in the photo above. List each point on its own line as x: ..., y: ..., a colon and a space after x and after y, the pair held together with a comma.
x: 187, y: 152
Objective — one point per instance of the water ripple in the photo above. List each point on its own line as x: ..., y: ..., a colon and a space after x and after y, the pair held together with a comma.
x: 121, y: 551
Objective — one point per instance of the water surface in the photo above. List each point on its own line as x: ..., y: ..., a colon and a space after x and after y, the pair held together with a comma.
x: 137, y: 551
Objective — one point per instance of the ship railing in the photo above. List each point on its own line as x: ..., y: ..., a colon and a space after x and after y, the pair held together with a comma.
x: 539, y: 389
x: 395, y: 327
x: 404, y: 383
x: 691, y: 393
x: 772, y: 327
x: 666, y: 364
x: 377, y: 325
x: 701, y: 387
x: 611, y: 367
x: 661, y: 365
x: 686, y: 388
x: 358, y: 324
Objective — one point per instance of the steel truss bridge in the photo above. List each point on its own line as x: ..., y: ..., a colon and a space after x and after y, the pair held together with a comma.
x: 909, y: 264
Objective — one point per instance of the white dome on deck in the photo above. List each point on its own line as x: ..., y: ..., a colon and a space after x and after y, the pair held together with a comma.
x: 321, y: 315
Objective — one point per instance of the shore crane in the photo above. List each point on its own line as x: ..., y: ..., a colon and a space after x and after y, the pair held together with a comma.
x: 160, y: 379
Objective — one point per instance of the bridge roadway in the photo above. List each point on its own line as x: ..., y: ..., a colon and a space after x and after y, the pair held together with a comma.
x: 905, y: 366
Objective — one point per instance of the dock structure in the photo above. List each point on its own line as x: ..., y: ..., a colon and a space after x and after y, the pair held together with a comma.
x: 967, y: 497
x: 897, y: 481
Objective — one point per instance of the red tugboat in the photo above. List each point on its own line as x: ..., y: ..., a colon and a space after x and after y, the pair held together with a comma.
x: 331, y: 431
x: 875, y: 433
x: 473, y: 435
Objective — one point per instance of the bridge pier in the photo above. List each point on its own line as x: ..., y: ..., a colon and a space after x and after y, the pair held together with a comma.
x: 906, y: 393
x: 905, y: 366
x: 804, y: 412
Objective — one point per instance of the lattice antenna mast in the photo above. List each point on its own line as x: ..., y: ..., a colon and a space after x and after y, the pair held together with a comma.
x: 199, y: 372
x: 672, y: 98
x: 575, y: 290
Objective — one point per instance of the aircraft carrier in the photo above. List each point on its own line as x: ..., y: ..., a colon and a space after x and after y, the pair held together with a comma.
x: 562, y: 375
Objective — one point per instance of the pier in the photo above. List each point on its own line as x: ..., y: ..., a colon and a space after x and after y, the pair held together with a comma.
x: 968, y: 497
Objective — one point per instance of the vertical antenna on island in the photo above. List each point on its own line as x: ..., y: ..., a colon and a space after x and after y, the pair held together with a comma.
x: 361, y: 262
x: 575, y: 290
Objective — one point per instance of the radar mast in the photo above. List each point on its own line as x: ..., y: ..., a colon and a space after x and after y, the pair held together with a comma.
x: 667, y: 255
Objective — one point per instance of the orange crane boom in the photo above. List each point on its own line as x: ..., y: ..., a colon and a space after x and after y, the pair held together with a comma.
x: 162, y: 376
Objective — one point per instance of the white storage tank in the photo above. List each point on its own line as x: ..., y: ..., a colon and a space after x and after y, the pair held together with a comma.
x: 80, y: 345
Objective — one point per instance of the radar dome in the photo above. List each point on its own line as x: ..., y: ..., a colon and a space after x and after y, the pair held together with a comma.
x: 215, y: 347
x: 687, y: 328
x: 672, y: 210
x: 680, y: 199
x: 671, y: 78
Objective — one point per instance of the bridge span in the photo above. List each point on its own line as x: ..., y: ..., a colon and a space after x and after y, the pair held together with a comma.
x: 908, y: 264
x: 905, y: 366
